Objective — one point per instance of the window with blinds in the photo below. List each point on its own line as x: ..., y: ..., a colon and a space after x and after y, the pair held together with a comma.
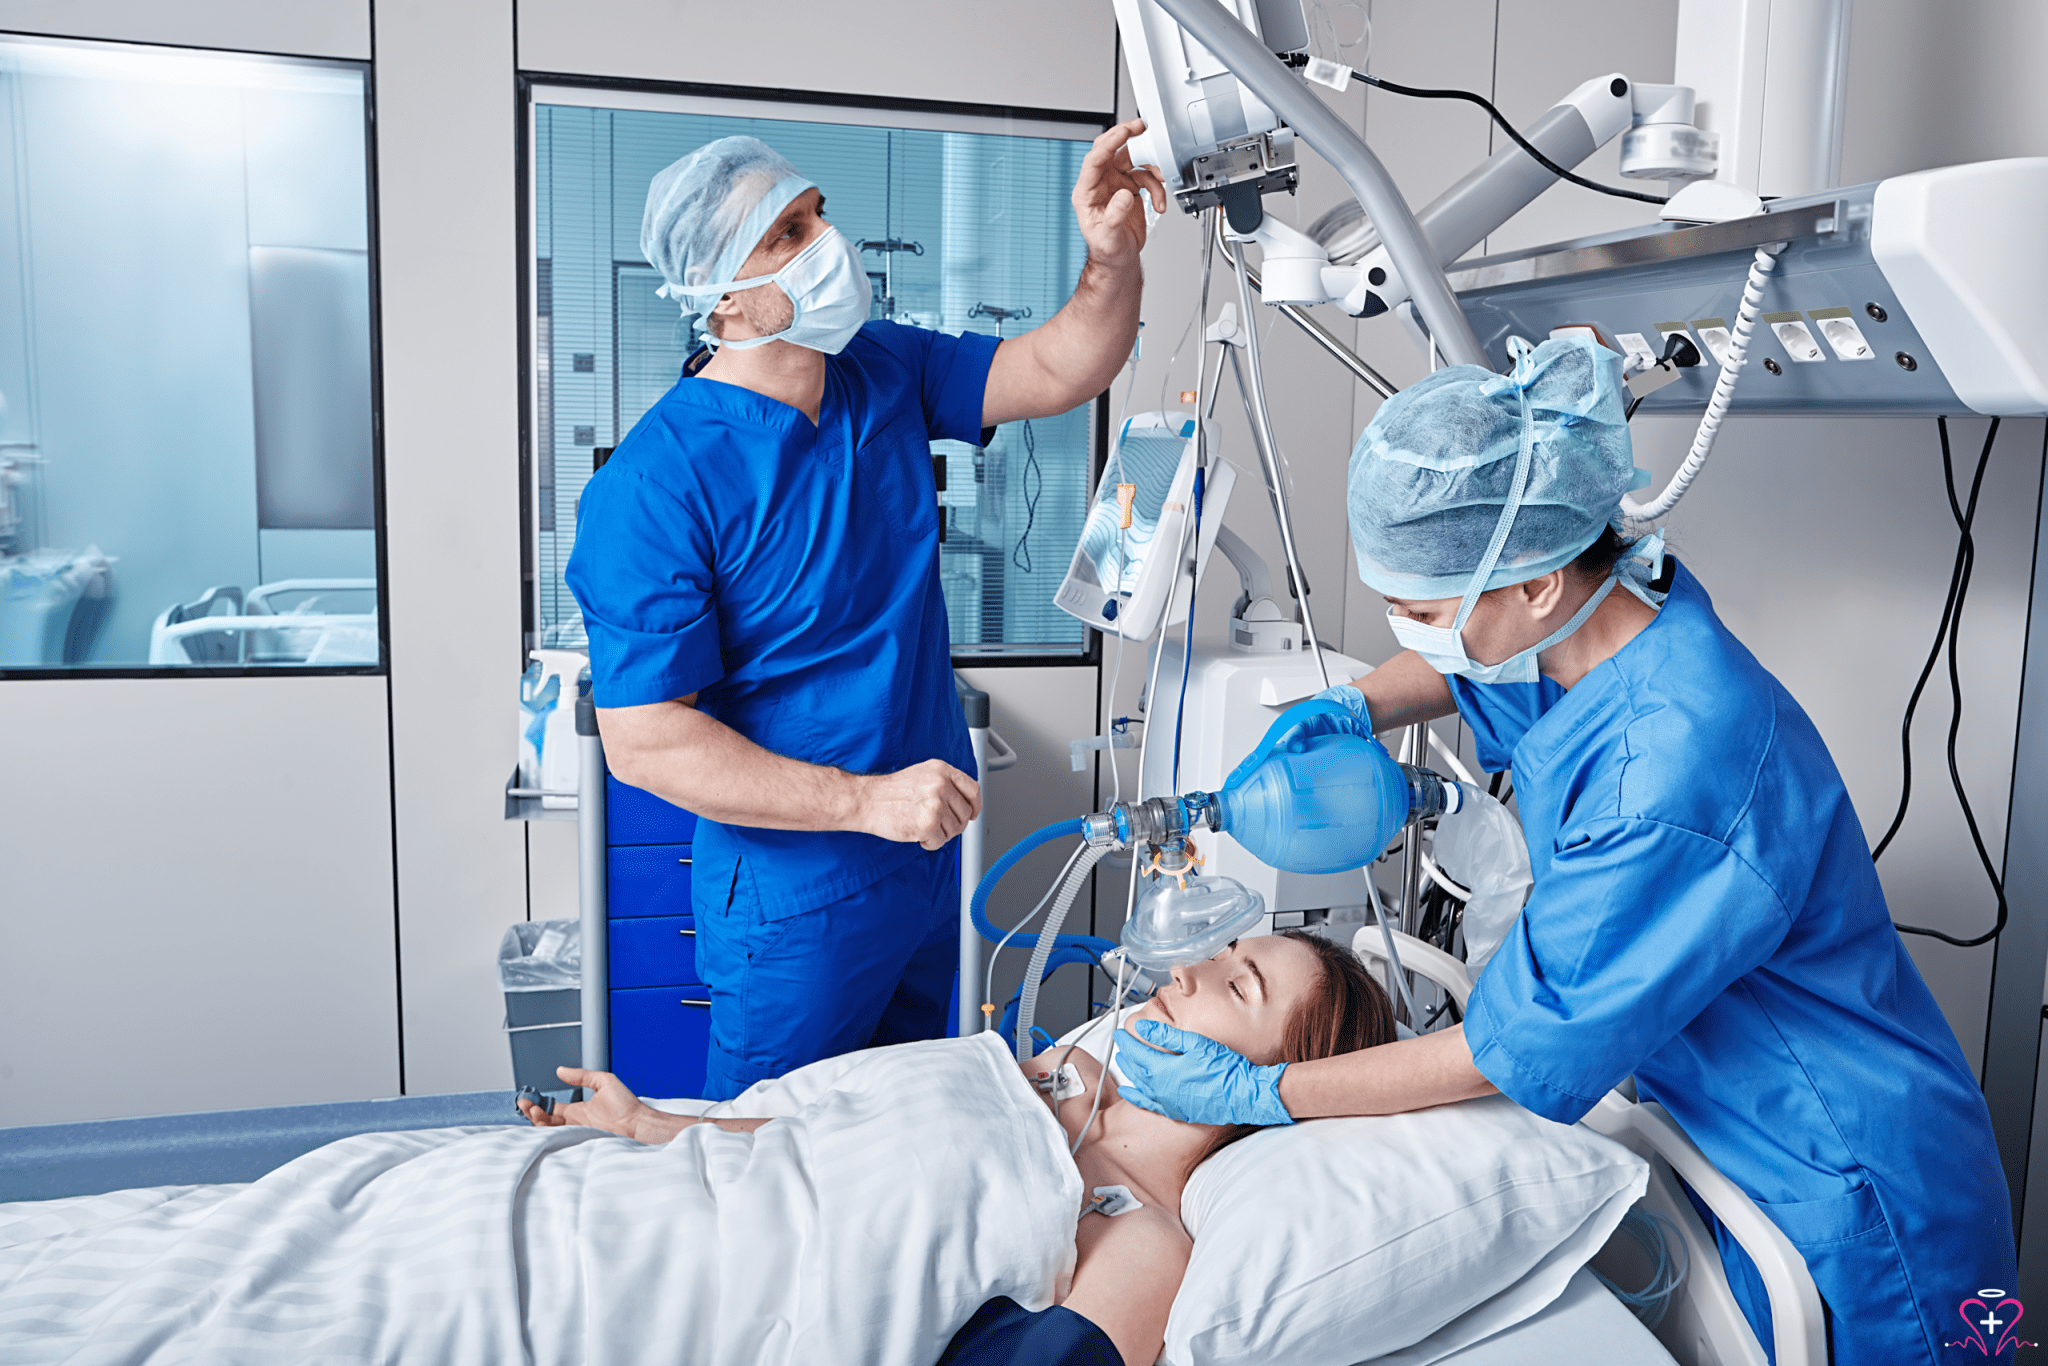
x: 964, y: 224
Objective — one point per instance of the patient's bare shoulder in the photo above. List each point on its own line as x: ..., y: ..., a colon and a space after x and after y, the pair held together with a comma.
x: 1126, y: 1273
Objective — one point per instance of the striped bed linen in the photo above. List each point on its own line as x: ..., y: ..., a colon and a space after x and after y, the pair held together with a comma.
x: 906, y: 1186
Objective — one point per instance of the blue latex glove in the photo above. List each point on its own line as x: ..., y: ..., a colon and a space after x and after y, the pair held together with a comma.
x: 1311, y: 717
x: 1352, y: 700
x: 1200, y: 1081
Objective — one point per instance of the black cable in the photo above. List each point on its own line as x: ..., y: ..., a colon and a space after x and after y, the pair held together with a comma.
x: 1941, y: 632
x: 1032, y: 482
x: 1951, y: 626
x: 1510, y: 129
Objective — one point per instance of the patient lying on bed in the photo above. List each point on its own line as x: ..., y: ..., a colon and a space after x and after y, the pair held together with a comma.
x: 896, y: 1192
x: 1280, y: 998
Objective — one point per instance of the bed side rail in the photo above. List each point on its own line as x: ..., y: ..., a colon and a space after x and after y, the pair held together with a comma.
x: 1707, y: 1327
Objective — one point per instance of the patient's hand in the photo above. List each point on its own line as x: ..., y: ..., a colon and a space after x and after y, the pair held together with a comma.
x: 611, y: 1106
x: 615, y: 1109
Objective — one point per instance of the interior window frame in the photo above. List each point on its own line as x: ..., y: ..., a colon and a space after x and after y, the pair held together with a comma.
x: 538, y: 88
x: 366, y: 71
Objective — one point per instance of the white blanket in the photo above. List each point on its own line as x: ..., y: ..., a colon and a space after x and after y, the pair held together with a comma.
x: 904, y: 1187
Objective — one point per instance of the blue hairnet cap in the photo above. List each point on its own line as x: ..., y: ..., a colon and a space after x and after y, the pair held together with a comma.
x: 1432, y: 471
x: 706, y: 214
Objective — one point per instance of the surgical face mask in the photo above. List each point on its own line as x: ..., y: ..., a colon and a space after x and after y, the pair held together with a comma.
x: 1444, y: 646
x: 828, y: 290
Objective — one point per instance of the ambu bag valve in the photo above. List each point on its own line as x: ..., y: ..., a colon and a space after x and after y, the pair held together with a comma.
x: 1321, y: 804
x: 1318, y: 795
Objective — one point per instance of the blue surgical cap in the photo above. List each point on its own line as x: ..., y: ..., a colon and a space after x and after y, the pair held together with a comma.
x: 1433, y: 469
x: 707, y: 213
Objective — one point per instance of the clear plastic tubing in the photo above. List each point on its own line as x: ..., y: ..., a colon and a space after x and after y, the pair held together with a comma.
x: 1048, y: 934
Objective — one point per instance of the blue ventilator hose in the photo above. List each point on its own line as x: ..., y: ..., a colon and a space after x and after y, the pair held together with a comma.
x: 1094, y: 946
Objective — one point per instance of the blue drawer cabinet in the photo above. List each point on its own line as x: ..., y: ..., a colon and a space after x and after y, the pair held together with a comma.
x: 632, y: 816
x: 654, y: 951
x: 660, y: 1010
x: 659, y: 1038
x: 647, y: 879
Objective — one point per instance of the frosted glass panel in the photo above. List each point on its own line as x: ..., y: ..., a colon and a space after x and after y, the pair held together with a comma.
x: 187, y: 475
x: 961, y: 231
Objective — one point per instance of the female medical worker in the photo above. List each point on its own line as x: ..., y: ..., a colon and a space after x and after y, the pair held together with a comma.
x: 1705, y: 917
x: 758, y: 568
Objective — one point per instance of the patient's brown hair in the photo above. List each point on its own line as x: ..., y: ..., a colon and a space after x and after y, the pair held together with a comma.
x: 1349, y: 1012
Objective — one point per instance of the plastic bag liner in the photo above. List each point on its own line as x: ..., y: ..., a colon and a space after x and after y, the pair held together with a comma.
x: 1482, y: 847
x: 541, y: 955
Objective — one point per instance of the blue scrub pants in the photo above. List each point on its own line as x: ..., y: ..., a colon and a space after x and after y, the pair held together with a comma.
x: 870, y: 969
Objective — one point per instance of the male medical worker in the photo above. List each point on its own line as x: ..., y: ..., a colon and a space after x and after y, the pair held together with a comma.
x: 758, y: 568
x: 1705, y: 918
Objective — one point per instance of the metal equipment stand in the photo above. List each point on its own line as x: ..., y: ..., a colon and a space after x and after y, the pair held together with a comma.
x: 591, y: 892
x: 991, y: 755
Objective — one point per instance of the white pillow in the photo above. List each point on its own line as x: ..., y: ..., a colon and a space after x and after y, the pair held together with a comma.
x: 1341, y: 1240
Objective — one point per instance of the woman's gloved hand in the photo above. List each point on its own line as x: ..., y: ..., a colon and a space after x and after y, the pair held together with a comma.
x: 1308, y: 718
x: 1199, y: 1081
x: 1351, y: 699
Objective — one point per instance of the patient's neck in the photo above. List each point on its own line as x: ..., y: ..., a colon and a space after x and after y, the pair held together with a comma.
x: 1155, y: 1151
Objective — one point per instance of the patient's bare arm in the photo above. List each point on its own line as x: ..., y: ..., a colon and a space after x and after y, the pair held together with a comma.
x: 617, y: 1110
x: 1128, y: 1270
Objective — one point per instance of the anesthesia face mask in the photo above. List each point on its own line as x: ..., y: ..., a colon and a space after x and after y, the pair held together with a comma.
x: 1180, y: 921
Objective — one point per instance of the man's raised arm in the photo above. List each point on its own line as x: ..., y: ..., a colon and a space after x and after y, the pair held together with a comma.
x: 1078, y: 351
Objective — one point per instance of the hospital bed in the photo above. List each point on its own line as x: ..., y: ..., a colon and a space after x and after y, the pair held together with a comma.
x: 1702, y: 1327
x: 291, y: 621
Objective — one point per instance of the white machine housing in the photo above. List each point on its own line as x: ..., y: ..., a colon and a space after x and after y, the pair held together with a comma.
x: 1203, y: 126
x: 1233, y: 696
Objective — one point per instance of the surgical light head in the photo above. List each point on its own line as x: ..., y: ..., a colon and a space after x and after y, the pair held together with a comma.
x: 707, y: 212
x: 1433, y: 471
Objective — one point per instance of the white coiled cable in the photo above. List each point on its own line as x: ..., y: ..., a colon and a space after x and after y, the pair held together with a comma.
x: 1640, y: 515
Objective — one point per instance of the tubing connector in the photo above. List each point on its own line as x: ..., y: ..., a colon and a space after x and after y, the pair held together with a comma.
x: 1430, y: 795
x: 1154, y: 821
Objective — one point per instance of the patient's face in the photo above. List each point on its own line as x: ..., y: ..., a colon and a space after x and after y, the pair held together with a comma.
x: 1242, y: 998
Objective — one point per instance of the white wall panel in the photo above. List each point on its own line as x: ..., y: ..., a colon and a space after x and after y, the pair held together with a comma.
x: 451, y: 407
x: 308, y: 28
x: 1937, y: 85
x: 195, y: 896
x: 1043, y: 54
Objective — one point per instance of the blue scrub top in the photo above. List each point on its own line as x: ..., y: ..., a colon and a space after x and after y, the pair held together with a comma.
x: 788, y: 574
x: 1706, y: 918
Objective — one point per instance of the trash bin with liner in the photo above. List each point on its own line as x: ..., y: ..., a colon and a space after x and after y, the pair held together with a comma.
x: 540, y: 969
